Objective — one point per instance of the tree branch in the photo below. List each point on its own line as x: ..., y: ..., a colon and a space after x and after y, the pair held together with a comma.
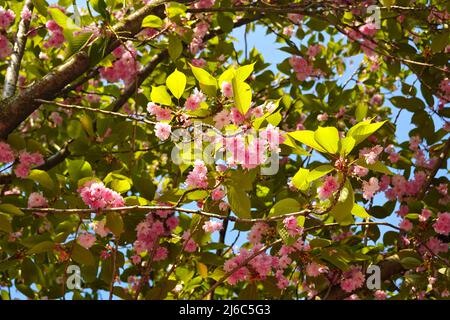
x: 12, y: 73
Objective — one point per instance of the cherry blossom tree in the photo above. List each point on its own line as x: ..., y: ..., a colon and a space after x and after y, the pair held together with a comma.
x: 139, y: 144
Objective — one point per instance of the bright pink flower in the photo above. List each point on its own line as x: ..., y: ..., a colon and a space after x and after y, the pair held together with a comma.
x: 6, y: 18
x: 5, y: 47
x: 211, y: 226
x: 371, y: 155
x: 425, y: 214
x: 314, y: 269
x: 6, y: 153
x: 406, y: 225
x: 197, y: 178
x: 163, y: 130
x: 37, y: 200
x: 353, y: 279
x: 86, y: 240
x: 380, y: 295
x: 227, y: 89
x: 97, y: 196
x: 100, y: 228
x: 370, y: 188
x: 360, y: 171
x: 328, y: 188
x: 222, y: 119
x: 194, y: 100
x: 218, y: 194
x: 442, y: 224
x: 189, y: 243
x: 160, y: 254
x: 199, y: 63
x: 394, y: 157
x: 369, y: 29
x: 292, y: 227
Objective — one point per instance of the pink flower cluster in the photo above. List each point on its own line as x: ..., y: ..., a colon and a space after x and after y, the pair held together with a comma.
x: 353, y: 279
x: 26, y: 160
x: 261, y: 265
x: 97, y: 196
x: 401, y: 188
x: 258, y: 230
x: 163, y: 130
x: 292, y: 227
x: 6, y: 18
x: 227, y: 89
x: 6, y: 153
x: 327, y: 189
x: 204, y: 4
x: 302, y: 67
x: 314, y: 269
x: 124, y: 68
x: 37, y: 200
x: 197, y: 178
x: 366, y: 33
x: 442, y: 224
x: 370, y: 188
x: 194, y: 100
x: 211, y: 226
x: 86, y: 240
x: 189, y: 244
x: 160, y: 113
x: 370, y: 156
x: 151, y: 230
x: 56, y: 35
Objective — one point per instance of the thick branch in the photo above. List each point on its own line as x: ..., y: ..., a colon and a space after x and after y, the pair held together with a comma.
x: 16, y: 109
x: 12, y: 73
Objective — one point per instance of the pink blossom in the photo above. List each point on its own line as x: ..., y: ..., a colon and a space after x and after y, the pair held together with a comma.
x: 204, y: 4
x: 370, y: 188
x: 436, y: 246
x: 414, y: 142
x: 371, y: 155
x: 160, y: 254
x: 100, y: 228
x: 377, y: 99
x: 353, y: 279
x: 314, y: 269
x: 97, y: 196
x: 394, y: 157
x: 6, y: 153
x: 37, y: 200
x: 189, y: 243
x: 227, y: 89
x: 86, y: 240
x: 163, y: 130
x: 406, y: 225
x: 380, y: 295
x: 222, y: 119
x: 314, y: 50
x: 425, y: 214
x: 218, y: 194
x: 199, y: 63
x: 6, y: 18
x: 5, y: 47
x: 442, y: 224
x: 211, y: 226
x: 328, y: 188
x: 193, y: 101
x: 360, y: 171
x: 369, y: 29
x: 291, y: 225
x: 322, y: 117
x: 197, y: 178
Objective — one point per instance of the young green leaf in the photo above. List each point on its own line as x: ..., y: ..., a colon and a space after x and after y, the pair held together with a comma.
x: 176, y: 82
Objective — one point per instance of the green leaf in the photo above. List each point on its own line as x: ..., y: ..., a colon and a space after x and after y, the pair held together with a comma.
x: 45, y: 246
x: 152, y: 21
x: 319, y: 172
x: 11, y: 209
x: 320, y: 243
x: 284, y: 206
x: 82, y: 255
x: 208, y: 83
x: 62, y: 20
x: 239, y: 202
x: 440, y: 41
x: 307, y: 137
x: 175, y: 47
x: 42, y: 177
x: 242, y: 73
x: 176, y: 82
x: 242, y: 95
x: 346, y: 146
x: 160, y: 95
x: 5, y: 223
x: 114, y: 223
x: 359, y: 211
x: 410, y: 262
x: 377, y: 166
x: 363, y: 130
x: 300, y: 179
x: 78, y: 169
x: 328, y: 138
x: 342, y: 211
